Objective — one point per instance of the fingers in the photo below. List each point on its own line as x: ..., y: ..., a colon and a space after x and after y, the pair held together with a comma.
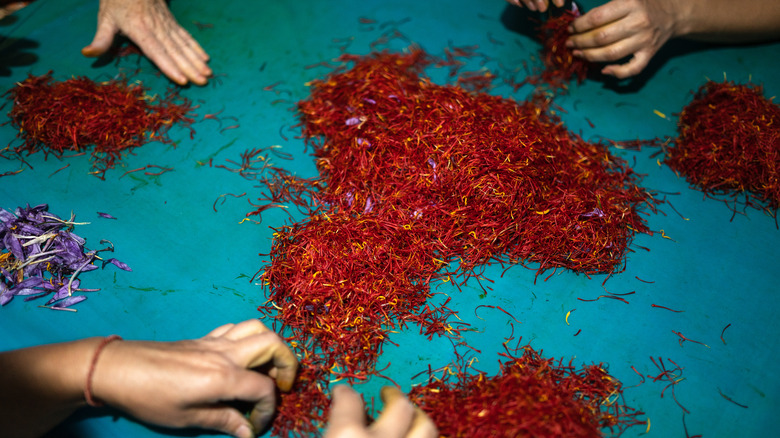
x: 104, y: 36
x: 397, y: 412
x: 268, y: 348
x: 258, y: 389
x: 244, y: 329
x: 172, y: 56
x: 255, y: 345
x: 631, y: 68
x: 150, y: 25
x: 400, y: 419
x: 601, y: 16
x: 346, y: 411
x: 219, y: 331
x: 225, y: 419
x: 421, y: 427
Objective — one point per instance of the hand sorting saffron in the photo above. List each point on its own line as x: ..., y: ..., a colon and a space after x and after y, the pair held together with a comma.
x: 150, y: 24
x: 637, y: 29
x: 189, y: 383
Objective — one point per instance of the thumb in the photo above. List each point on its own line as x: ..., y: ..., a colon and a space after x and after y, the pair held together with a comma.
x: 104, y: 37
x: 225, y: 419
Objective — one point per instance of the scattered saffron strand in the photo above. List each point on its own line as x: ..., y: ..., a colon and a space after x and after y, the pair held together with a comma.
x: 229, y: 127
x: 61, y: 168
x: 568, y: 314
x: 724, y: 331
x: 223, y: 197
x: 163, y: 170
x: 730, y: 399
x: 664, y: 307
x: 683, y: 339
x: 605, y: 296
x: 11, y: 172
x: 134, y: 170
x: 644, y: 281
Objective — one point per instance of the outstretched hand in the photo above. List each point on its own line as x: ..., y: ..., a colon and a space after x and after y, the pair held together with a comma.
x: 150, y: 25
x: 400, y: 419
x: 194, y: 383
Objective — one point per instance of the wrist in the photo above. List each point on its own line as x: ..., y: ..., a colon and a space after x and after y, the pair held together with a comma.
x: 685, y: 15
x: 89, y: 394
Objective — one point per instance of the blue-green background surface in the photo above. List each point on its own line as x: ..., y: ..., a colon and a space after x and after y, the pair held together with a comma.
x: 190, y: 263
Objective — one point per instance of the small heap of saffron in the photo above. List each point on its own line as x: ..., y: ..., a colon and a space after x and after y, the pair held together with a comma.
x: 728, y: 143
x: 531, y: 396
x: 72, y: 115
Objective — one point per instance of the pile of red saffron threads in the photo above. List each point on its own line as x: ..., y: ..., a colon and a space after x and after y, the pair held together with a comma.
x: 422, y: 182
x: 532, y: 396
x: 72, y: 115
x: 729, y: 144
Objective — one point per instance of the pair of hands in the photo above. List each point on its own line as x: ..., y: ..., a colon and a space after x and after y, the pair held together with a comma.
x: 618, y: 29
x: 150, y: 24
x: 192, y: 383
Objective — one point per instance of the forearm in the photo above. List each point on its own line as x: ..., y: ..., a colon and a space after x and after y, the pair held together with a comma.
x: 41, y: 386
x: 730, y: 21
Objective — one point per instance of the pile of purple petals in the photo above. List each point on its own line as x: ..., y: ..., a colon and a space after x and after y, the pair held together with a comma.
x: 40, y: 256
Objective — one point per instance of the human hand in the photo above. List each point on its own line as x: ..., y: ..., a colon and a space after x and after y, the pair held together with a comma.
x: 400, y: 419
x: 621, y: 28
x: 150, y: 24
x: 536, y: 5
x: 192, y: 383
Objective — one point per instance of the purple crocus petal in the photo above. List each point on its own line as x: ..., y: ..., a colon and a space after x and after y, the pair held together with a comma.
x: 352, y: 121
x: 89, y: 267
x: 371, y: 101
x: 6, y: 216
x: 30, y: 282
x: 63, y: 292
x: 105, y: 215
x: 8, y: 276
x: 363, y: 142
x: 26, y: 291
x: 595, y: 212
x: 29, y: 229
x: 49, y: 286
x: 14, y: 246
x: 369, y: 205
x: 34, y: 297
x: 350, y: 197
x: 67, y: 302
x: 5, y: 298
x: 118, y: 264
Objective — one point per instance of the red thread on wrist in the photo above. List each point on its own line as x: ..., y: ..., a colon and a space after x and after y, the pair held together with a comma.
x: 88, y: 387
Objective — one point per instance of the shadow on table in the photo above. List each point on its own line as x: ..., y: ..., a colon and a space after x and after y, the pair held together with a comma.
x: 15, y: 52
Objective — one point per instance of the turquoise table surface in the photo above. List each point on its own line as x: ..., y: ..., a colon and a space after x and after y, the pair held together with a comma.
x: 191, y: 263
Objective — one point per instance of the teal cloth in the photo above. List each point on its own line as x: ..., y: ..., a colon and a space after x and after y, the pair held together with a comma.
x: 191, y: 264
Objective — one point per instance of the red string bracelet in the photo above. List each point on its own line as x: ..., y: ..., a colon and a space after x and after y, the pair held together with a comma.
x: 88, y: 387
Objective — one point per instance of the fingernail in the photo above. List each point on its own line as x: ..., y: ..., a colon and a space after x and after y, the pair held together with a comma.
x: 244, y: 432
x: 569, y: 44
